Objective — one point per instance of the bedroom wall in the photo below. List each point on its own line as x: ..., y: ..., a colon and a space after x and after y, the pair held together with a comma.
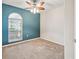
x: 52, y: 25
x: 31, y: 23
x: 69, y: 29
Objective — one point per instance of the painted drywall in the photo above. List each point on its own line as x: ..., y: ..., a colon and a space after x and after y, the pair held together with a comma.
x: 52, y: 25
x: 31, y: 23
x: 69, y: 30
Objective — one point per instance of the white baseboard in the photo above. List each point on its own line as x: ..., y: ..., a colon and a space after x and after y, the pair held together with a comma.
x: 31, y: 40
x: 57, y: 40
x: 19, y: 42
x: 60, y: 43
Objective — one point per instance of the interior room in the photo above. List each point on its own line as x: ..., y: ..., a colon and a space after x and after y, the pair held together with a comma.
x: 37, y: 29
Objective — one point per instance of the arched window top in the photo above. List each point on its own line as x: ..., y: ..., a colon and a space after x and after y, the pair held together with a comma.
x: 15, y: 16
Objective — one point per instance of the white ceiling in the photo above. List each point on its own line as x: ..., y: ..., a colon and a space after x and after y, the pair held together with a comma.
x: 49, y: 4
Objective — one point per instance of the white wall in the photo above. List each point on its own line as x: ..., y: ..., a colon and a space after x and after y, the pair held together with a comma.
x: 69, y: 29
x: 52, y: 25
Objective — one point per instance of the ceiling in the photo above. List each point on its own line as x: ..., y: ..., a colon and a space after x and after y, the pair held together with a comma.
x: 49, y: 4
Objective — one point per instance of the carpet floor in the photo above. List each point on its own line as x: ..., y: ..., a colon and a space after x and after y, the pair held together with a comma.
x: 34, y: 49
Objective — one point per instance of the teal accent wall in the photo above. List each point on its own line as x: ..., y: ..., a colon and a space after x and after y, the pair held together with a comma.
x: 31, y: 23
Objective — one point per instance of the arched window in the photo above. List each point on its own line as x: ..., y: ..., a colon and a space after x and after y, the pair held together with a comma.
x: 15, y: 23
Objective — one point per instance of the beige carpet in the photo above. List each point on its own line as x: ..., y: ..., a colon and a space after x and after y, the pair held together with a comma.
x: 34, y: 49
